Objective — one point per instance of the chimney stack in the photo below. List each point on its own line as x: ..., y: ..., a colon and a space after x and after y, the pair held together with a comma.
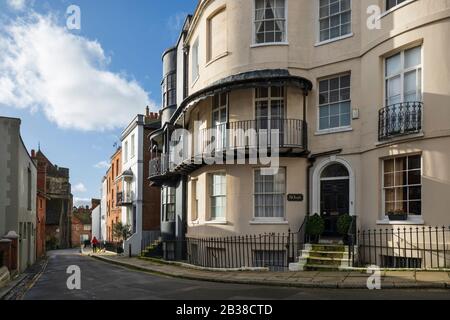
x: 33, y: 154
x: 147, y: 111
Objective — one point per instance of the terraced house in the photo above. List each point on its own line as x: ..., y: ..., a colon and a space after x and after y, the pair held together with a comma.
x: 359, y: 103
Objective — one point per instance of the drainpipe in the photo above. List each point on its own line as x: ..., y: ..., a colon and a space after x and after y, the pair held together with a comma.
x: 311, y: 162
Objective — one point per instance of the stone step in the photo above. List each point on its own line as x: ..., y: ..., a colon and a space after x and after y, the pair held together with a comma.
x: 311, y: 267
x: 327, y: 247
x: 324, y: 254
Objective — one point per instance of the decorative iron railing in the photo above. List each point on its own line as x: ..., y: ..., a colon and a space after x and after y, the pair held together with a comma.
x: 413, y: 247
x: 239, y: 135
x: 400, y: 119
x: 271, y: 250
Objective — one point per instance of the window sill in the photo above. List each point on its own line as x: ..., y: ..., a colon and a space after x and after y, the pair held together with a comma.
x: 332, y: 131
x: 220, y: 56
x: 218, y: 222
x: 269, y: 222
x: 322, y: 43
x: 269, y: 44
x: 412, y: 221
x: 401, y: 5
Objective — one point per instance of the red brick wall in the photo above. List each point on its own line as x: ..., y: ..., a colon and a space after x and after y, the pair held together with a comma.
x: 114, y: 212
x: 77, y: 231
x: 40, y: 225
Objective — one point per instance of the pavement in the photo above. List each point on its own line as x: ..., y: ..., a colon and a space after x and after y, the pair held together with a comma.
x: 304, y: 279
x: 102, y: 280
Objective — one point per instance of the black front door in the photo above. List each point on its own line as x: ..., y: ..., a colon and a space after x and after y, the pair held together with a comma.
x: 334, y: 202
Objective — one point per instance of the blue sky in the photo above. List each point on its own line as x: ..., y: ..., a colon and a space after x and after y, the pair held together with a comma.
x: 75, y: 90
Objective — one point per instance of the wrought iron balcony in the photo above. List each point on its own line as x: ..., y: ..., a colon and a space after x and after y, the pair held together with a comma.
x: 124, y: 199
x: 289, y: 135
x: 400, y: 119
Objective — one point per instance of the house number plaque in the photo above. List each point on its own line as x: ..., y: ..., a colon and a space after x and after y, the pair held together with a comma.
x: 296, y: 197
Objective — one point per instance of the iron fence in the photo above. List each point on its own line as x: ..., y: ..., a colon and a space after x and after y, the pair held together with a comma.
x: 271, y: 250
x: 413, y: 247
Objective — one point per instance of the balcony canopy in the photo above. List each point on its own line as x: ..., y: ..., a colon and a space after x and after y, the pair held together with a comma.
x: 252, y: 79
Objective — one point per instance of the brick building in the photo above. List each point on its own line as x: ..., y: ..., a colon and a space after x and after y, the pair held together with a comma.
x: 81, y: 223
x: 41, y: 204
x: 58, y: 205
x: 114, y: 190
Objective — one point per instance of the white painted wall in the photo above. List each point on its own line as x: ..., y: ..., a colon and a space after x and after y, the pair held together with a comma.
x: 96, y: 225
x: 136, y: 165
x: 103, y: 211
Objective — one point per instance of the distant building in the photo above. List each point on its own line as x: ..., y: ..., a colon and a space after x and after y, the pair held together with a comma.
x: 17, y: 199
x: 140, y: 202
x: 96, y: 220
x: 41, y: 204
x: 83, y: 224
x: 59, y: 204
x: 113, y: 190
x: 103, y: 210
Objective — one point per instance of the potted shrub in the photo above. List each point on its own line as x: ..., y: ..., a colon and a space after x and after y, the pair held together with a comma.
x: 315, y: 226
x: 398, y: 215
x: 343, y: 226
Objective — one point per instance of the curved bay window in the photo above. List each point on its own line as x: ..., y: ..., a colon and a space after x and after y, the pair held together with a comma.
x: 168, y: 204
x: 170, y: 90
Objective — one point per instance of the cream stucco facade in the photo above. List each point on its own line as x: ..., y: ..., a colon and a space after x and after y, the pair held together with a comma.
x: 363, y: 54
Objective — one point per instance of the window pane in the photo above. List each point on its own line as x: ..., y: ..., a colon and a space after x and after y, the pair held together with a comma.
x: 389, y: 180
x: 324, y: 123
x: 345, y: 5
x: 393, y: 65
x: 410, y: 86
x: 415, y: 193
x: 414, y: 162
x: 413, y: 57
x: 414, y: 177
x: 345, y: 120
x: 415, y: 207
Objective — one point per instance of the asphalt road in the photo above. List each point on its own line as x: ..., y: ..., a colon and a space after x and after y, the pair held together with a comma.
x: 103, y: 281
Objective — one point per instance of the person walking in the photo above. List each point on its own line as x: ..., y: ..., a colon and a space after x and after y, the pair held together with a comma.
x: 94, y: 244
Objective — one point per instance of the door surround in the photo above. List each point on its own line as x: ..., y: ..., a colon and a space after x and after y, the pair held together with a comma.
x: 315, y: 188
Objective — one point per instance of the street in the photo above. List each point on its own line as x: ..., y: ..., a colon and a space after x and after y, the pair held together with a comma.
x: 103, y: 281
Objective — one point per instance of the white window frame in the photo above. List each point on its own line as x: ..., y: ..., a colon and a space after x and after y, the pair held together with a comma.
x: 269, y: 220
x: 383, y: 188
x: 286, y: 24
x: 317, y: 19
x: 211, y: 196
x: 125, y: 154
x: 340, y: 128
x: 402, y: 73
x: 133, y: 146
x: 165, y: 202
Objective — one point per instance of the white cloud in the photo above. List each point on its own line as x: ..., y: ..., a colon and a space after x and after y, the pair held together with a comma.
x: 79, y: 188
x: 18, y: 5
x: 45, y: 67
x: 78, y: 202
x: 102, y: 165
